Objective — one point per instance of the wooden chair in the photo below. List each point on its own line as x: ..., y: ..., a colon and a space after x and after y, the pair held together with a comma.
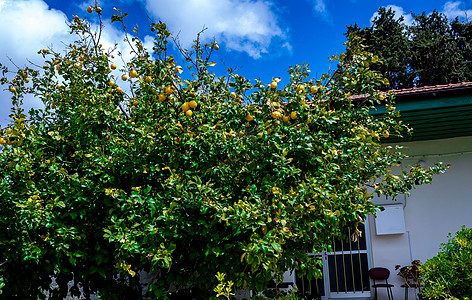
x: 381, y: 274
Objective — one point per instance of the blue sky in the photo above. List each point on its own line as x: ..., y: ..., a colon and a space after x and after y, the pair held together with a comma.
x: 261, y: 38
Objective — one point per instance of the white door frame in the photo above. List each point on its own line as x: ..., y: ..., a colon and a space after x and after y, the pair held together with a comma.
x: 343, y: 295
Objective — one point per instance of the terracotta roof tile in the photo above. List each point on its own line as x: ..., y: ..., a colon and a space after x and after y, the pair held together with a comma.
x: 425, y: 90
x: 434, y: 88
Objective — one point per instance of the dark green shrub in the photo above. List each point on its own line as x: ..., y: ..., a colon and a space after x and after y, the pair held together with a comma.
x: 449, y: 274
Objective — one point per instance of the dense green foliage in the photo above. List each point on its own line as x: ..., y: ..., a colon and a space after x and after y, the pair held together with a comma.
x: 431, y: 51
x: 449, y: 274
x: 186, y: 178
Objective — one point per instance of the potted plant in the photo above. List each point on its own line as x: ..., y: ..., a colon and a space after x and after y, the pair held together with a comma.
x: 410, y: 275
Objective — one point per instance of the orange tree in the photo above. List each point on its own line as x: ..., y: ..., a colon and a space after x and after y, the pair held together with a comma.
x: 183, y: 177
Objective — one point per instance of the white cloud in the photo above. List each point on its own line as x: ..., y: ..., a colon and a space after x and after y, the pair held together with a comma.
x: 242, y: 25
x: 399, y: 12
x: 320, y: 6
x: 454, y: 9
x: 287, y: 46
x: 25, y: 27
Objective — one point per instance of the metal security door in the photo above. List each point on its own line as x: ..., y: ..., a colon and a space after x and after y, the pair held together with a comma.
x: 346, y: 268
x: 345, y: 271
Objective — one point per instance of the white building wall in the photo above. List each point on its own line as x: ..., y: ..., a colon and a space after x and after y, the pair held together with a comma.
x: 431, y: 212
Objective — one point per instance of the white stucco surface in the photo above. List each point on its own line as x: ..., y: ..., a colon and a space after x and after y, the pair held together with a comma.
x: 431, y: 212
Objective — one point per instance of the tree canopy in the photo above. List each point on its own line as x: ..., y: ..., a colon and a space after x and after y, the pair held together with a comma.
x: 431, y: 51
x: 184, y: 174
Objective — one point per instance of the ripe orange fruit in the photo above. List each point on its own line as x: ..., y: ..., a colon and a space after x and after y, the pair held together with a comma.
x: 89, y: 9
x: 162, y: 97
x: 314, y: 89
x: 193, y: 104
x: 386, y: 134
x: 216, y: 47
x: 188, y: 113
x: 135, y: 103
x: 233, y: 95
x: 124, y: 77
x: 2, y: 141
x: 293, y: 115
x: 26, y: 79
x: 169, y: 90
x: 111, y: 82
x: 113, y: 66
x: 148, y: 79
x: 300, y: 88
x: 133, y: 74
x: 98, y: 10
x: 249, y: 118
x: 45, y: 51
x: 185, y: 107
x: 285, y: 119
x: 276, y: 115
x: 13, y: 90
x: 273, y: 85
x: 119, y: 90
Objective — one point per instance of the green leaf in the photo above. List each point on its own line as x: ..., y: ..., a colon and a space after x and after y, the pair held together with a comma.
x: 276, y: 247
